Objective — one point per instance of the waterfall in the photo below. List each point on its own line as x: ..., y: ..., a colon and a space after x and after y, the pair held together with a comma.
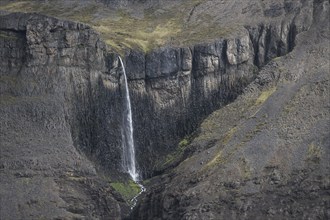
x: 128, y: 160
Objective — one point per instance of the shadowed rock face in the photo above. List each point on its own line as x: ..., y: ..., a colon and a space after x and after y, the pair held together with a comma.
x: 52, y: 93
x: 61, y: 103
x: 173, y: 89
x: 265, y: 155
x: 67, y: 61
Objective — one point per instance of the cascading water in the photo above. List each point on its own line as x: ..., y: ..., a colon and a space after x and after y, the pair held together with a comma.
x: 128, y: 160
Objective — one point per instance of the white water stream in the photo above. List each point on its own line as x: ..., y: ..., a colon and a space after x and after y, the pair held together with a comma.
x: 128, y: 160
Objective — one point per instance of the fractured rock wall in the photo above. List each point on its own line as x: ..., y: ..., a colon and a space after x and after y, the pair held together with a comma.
x: 172, y: 89
x: 55, y: 104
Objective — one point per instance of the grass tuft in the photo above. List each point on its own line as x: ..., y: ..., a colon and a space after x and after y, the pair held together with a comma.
x: 265, y: 95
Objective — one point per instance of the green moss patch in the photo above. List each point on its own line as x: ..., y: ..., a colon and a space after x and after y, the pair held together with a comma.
x: 127, y: 190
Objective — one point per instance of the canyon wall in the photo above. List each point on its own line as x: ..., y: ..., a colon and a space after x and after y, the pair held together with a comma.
x: 266, y: 154
x: 62, y: 101
x: 56, y: 104
x: 172, y: 89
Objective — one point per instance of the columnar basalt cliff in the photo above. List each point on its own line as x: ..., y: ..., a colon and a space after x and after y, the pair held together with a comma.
x: 66, y: 61
x: 62, y: 97
x: 55, y: 98
x: 266, y: 155
x: 173, y: 89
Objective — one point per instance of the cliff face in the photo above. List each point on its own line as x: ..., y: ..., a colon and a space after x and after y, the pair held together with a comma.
x: 173, y: 89
x: 54, y: 106
x: 62, y: 102
x: 265, y: 155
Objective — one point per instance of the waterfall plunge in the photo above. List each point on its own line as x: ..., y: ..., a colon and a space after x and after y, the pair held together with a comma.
x: 128, y: 160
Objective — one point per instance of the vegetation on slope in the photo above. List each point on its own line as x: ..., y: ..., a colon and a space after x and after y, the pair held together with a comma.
x: 122, y: 29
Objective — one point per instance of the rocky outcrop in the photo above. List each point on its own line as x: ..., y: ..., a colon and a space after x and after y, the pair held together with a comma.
x: 278, y: 38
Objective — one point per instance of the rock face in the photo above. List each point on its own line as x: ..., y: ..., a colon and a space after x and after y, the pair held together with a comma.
x: 61, y: 111
x: 173, y: 89
x: 68, y: 61
x: 264, y: 156
x: 54, y: 87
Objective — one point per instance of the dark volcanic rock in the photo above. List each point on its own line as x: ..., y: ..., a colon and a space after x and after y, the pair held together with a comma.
x: 55, y: 94
x: 61, y: 112
x: 135, y: 65
x: 172, y: 88
x: 183, y: 85
x: 265, y: 155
